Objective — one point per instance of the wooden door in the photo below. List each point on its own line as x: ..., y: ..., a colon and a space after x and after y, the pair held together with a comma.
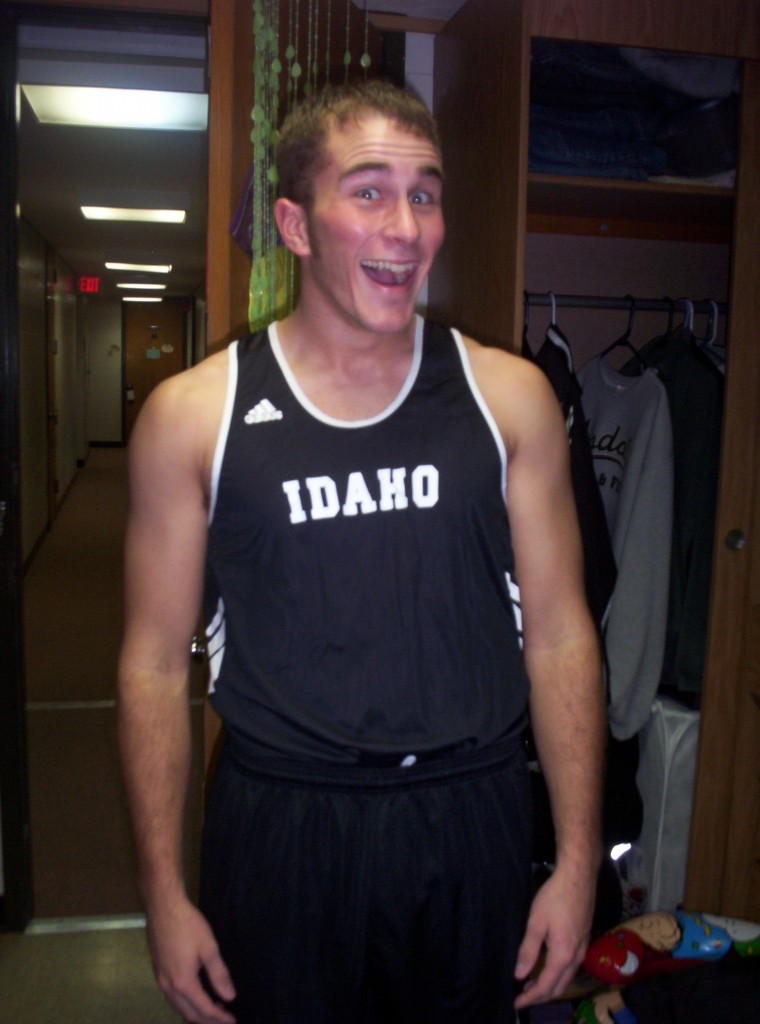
x: 724, y: 858
x: 153, y: 350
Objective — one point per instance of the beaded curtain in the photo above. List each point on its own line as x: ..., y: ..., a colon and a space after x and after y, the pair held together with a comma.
x: 284, y: 72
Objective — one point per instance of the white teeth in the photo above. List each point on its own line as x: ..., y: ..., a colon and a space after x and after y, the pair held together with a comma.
x: 395, y: 268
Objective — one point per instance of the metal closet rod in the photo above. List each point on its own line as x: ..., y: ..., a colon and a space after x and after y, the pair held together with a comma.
x: 628, y: 303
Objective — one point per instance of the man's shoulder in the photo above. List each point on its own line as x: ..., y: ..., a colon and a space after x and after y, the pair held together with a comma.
x: 183, y: 412
x: 516, y: 391
x: 197, y: 384
x: 504, y: 368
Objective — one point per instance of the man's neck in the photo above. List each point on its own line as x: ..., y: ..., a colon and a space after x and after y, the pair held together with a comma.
x: 353, y: 374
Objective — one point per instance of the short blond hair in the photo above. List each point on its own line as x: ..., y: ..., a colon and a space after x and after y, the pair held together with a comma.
x: 299, y: 153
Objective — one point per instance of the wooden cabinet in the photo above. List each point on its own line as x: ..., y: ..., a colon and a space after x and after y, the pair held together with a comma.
x: 482, y: 65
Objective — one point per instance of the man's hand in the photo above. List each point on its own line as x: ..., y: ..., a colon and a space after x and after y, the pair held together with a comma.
x: 560, y: 921
x: 182, y: 945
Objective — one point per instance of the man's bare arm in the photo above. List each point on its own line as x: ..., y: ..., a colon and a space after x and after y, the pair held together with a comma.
x: 562, y: 660
x: 165, y: 549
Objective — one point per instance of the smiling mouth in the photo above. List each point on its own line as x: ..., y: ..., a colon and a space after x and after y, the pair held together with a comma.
x: 389, y: 273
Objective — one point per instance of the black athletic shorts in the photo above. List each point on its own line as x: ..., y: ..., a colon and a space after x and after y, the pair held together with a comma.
x: 370, y: 896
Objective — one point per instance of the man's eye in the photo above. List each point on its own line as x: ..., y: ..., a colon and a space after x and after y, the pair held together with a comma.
x: 421, y: 198
x: 368, y: 193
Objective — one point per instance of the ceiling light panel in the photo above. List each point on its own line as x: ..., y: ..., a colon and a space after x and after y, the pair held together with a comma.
x: 143, y: 286
x: 118, y: 108
x: 60, y: 55
x: 130, y: 214
x: 146, y: 268
x: 94, y: 70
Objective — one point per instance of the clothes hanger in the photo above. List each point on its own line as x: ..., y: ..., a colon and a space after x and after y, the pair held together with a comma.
x: 526, y: 318
x: 715, y: 353
x: 671, y: 313
x: 712, y: 324
x: 688, y: 318
x: 555, y: 335
x: 624, y: 340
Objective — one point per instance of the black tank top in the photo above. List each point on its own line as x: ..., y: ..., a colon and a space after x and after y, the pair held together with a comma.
x: 360, y: 595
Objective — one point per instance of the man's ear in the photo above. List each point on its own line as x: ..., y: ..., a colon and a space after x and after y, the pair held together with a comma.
x: 292, y: 223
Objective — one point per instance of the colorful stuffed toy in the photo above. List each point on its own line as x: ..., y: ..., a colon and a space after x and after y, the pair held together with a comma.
x: 659, y: 943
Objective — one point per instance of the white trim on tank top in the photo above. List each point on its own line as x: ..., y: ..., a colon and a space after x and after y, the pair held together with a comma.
x: 331, y: 421
x: 224, y: 426
x: 487, y: 414
x: 232, y: 376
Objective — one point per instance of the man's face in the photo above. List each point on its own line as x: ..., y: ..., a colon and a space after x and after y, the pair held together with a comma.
x: 375, y: 223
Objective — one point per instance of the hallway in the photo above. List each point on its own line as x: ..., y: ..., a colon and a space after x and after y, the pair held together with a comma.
x: 82, y: 856
x: 83, y: 957
x: 81, y: 846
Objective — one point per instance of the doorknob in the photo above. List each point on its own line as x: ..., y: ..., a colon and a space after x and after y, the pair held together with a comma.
x: 735, y: 540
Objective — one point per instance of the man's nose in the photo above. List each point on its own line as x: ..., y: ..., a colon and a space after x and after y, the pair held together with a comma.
x: 402, y: 222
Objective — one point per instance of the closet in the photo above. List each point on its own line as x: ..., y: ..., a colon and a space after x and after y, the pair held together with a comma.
x: 482, y: 83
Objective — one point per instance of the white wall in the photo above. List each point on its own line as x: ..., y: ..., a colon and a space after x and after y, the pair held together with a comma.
x: 419, y: 65
x: 68, y: 373
x: 103, y: 343
x: 644, y: 268
x: 419, y: 76
x: 33, y: 423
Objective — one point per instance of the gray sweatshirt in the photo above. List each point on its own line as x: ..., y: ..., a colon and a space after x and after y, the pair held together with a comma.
x: 632, y: 446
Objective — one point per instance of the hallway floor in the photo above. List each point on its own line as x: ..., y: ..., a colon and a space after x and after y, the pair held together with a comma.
x: 83, y: 959
x: 100, y: 974
x: 82, y: 857
x: 93, y: 975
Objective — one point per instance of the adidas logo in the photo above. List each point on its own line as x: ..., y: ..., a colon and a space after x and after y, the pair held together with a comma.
x: 264, y: 412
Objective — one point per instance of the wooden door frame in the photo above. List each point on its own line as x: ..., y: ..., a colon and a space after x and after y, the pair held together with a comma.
x: 17, y: 864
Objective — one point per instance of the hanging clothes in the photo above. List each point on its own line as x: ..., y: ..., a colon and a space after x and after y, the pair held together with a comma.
x: 631, y: 443
x: 622, y: 810
x: 555, y: 359
x: 695, y: 387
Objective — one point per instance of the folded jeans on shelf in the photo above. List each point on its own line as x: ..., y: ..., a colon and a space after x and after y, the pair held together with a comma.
x: 607, y: 123
x: 549, y: 144
x: 609, y: 171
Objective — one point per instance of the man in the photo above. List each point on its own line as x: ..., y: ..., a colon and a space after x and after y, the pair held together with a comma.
x: 336, y: 491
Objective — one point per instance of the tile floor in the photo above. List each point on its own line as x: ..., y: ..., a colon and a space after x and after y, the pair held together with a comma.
x: 95, y: 975
x: 82, y: 852
x: 97, y: 971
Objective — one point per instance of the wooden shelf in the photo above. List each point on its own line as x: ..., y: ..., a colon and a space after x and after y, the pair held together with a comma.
x: 629, y: 209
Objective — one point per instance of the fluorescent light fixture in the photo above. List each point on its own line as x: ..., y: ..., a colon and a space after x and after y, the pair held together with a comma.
x: 127, y: 213
x: 146, y: 268
x: 118, y: 108
x: 141, y: 298
x: 144, y: 287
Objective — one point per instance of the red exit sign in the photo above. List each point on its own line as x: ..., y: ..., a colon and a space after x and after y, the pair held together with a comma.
x: 89, y: 285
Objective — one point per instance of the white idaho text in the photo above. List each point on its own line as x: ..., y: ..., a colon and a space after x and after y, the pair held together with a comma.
x: 320, y: 497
